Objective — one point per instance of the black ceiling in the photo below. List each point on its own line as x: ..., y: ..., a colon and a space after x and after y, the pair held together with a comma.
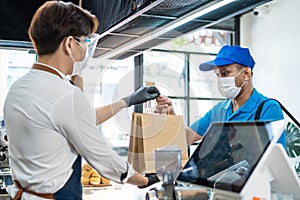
x: 127, y: 27
x: 142, y: 29
x: 15, y: 17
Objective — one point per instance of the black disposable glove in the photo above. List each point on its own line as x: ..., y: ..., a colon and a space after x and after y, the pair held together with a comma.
x: 152, y: 179
x: 142, y: 95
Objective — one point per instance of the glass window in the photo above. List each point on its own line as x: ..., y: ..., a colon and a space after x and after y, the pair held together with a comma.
x: 198, y: 108
x: 116, y: 80
x: 202, y: 84
x: 166, y: 70
x: 13, y: 65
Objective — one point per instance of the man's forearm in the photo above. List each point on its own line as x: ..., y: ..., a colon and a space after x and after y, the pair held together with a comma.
x: 191, y: 136
x: 105, y: 112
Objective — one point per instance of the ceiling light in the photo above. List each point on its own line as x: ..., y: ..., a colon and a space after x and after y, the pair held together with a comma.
x: 198, y: 14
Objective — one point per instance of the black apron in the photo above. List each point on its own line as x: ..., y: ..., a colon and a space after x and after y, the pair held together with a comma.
x: 72, y: 189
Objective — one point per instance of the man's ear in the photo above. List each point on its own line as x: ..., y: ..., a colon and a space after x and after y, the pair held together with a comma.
x: 68, y: 43
x: 248, y: 73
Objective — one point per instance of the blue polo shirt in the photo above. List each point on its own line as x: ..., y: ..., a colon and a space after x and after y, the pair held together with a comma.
x: 223, y: 112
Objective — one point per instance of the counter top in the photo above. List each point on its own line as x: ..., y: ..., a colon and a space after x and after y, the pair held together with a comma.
x: 116, y: 191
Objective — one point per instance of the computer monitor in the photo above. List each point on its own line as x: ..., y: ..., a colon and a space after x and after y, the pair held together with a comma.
x: 237, y: 160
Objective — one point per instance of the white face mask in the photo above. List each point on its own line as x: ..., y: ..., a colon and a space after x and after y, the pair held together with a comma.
x: 227, y: 87
x: 89, y: 52
x: 80, y: 65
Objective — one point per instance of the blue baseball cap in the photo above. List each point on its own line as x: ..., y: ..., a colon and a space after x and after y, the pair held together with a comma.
x: 229, y: 55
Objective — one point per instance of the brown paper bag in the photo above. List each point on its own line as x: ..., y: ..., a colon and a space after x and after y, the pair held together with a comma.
x: 151, y: 131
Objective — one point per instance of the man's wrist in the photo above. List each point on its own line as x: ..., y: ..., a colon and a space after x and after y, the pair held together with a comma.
x: 151, y: 179
x: 146, y: 180
x: 124, y: 103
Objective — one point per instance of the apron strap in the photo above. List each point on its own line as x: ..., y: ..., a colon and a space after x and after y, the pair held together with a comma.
x: 21, y: 190
x: 47, y: 69
x: 72, y: 190
x: 44, y: 68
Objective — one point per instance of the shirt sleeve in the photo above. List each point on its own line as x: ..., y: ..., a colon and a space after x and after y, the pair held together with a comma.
x: 272, y: 111
x: 217, y: 113
x: 75, y: 119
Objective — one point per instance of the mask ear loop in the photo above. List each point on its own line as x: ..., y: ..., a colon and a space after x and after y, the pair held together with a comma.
x: 244, y: 82
x: 239, y: 72
x: 85, y: 47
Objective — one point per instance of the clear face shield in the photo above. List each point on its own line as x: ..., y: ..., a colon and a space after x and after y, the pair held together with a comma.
x: 91, y: 43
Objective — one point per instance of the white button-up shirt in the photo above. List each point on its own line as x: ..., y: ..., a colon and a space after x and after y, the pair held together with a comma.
x: 49, y: 122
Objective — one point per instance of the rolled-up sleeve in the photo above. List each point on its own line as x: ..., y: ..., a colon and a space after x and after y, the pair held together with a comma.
x: 75, y: 119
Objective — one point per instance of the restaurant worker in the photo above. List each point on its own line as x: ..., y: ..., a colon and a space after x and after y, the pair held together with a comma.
x: 50, y: 123
x: 233, y: 66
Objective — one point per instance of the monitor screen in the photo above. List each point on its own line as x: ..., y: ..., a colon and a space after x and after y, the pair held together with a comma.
x: 227, y: 155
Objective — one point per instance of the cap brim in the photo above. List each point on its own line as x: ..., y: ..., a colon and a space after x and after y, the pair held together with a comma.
x: 207, y: 66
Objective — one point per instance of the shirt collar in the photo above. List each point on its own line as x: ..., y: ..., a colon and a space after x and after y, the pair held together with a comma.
x: 247, y: 106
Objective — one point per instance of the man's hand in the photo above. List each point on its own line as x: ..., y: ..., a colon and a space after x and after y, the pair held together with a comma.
x: 164, y: 105
x: 142, y: 95
x: 152, y: 179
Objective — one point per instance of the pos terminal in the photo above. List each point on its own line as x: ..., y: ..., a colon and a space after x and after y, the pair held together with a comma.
x: 241, y: 160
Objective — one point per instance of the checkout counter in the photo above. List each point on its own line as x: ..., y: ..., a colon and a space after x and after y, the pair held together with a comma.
x: 234, y: 161
x: 116, y: 191
x: 130, y: 192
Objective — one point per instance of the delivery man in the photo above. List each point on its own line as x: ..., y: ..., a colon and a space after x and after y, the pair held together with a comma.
x: 233, y: 66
